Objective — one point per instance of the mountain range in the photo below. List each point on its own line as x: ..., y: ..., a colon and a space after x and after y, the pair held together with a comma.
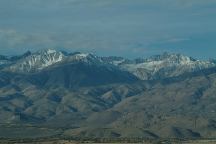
x: 52, y: 92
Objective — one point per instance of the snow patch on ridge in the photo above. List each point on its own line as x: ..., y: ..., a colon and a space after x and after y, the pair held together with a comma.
x: 38, y: 61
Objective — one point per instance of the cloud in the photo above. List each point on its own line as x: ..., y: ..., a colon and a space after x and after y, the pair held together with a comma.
x: 104, y: 26
x: 176, y: 40
x: 12, y: 38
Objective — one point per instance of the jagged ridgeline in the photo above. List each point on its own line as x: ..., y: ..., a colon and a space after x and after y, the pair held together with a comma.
x: 51, y: 92
x: 155, y: 67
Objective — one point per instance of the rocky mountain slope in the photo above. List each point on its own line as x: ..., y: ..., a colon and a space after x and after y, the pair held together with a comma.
x: 83, y: 95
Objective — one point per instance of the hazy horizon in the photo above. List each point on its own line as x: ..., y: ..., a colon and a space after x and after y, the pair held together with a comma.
x: 100, y: 55
x: 138, y: 28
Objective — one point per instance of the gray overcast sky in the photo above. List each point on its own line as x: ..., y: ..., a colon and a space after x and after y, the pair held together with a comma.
x: 130, y: 28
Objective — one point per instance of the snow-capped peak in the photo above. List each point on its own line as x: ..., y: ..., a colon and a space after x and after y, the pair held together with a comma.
x: 42, y: 59
x: 80, y: 56
x: 84, y: 55
x: 88, y: 58
x: 50, y: 51
x: 46, y: 52
x: 165, y: 65
x: 38, y: 61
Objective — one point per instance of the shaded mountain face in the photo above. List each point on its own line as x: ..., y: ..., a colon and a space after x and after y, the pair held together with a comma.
x: 80, y: 74
x: 83, y: 95
x: 50, y: 68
